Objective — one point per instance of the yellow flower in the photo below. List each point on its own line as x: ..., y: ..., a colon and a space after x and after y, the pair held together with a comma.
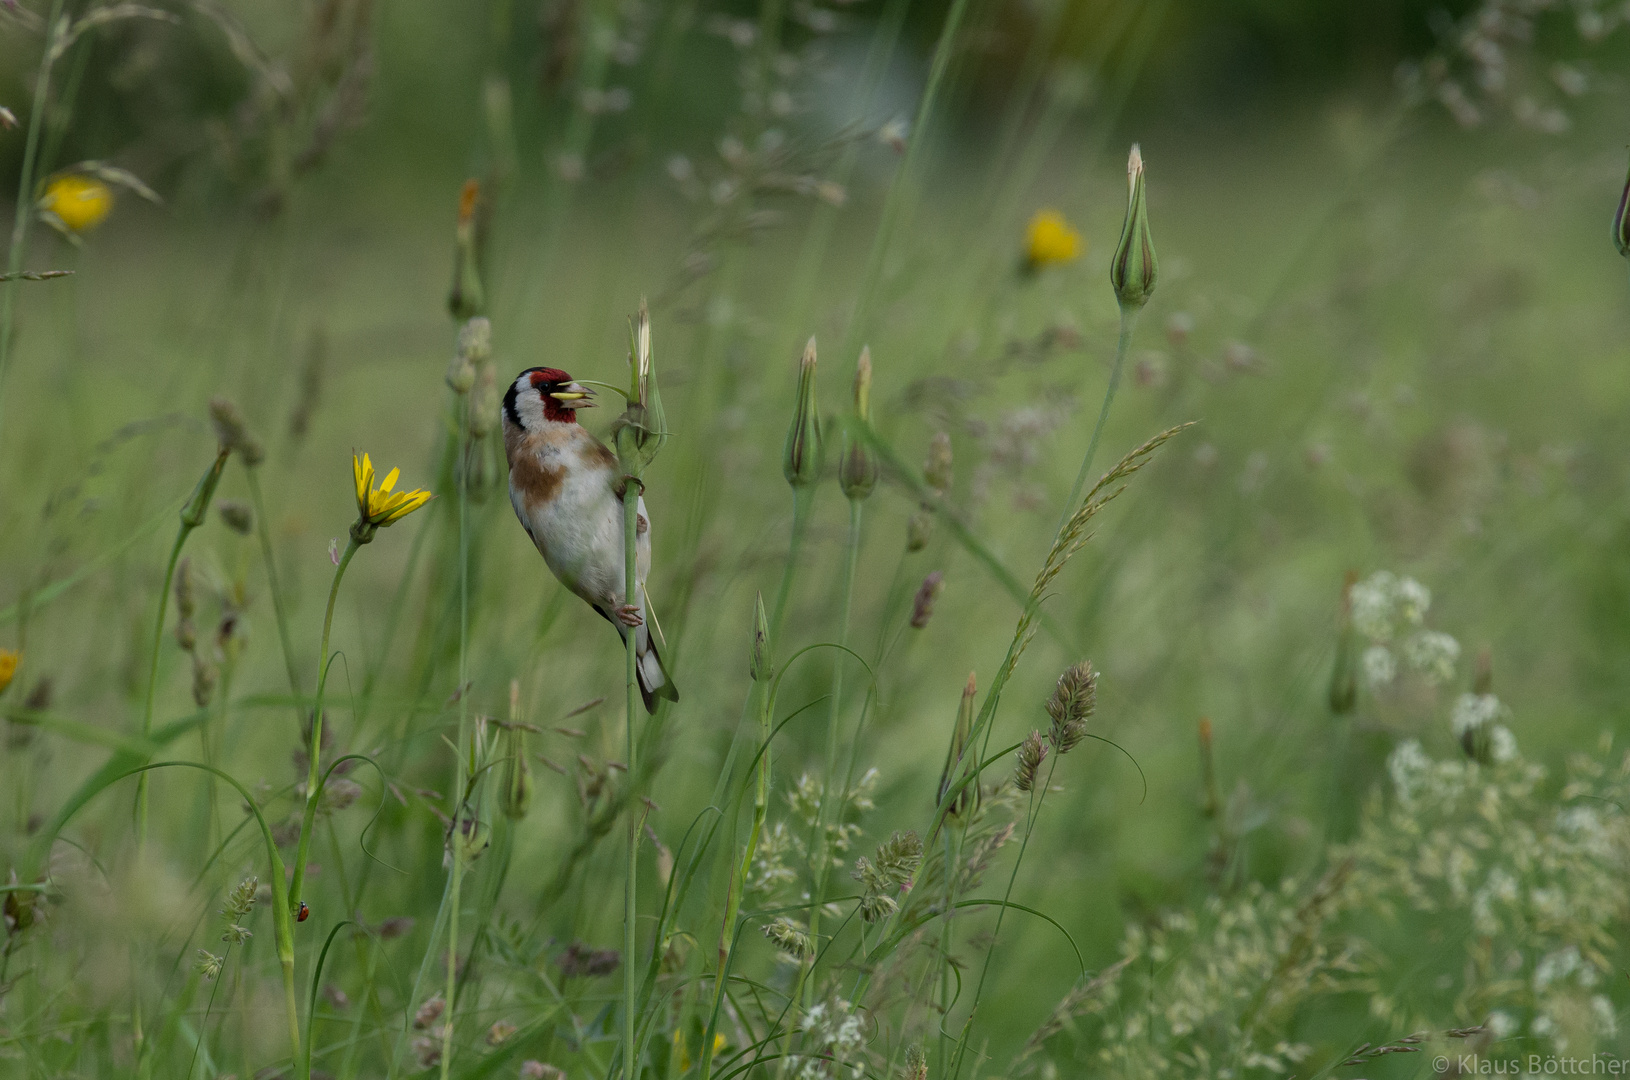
x: 682, y: 1052
x: 1050, y: 240
x: 8, y: 667
x: 79, y: 202
x: 379, y: 506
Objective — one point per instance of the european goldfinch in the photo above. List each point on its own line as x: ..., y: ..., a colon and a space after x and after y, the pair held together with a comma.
x: 563, y: 484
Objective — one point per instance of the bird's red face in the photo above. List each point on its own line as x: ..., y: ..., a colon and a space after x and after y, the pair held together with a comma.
x: 544, y: 395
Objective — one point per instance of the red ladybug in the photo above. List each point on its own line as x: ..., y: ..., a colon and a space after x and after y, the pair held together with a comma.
x: 305, y: 912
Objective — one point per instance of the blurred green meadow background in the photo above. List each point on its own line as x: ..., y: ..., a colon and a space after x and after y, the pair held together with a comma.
x: 1388, y: 303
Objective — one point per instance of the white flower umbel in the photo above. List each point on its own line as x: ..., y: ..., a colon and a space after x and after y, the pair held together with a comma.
x: 1379, y: 666
x: 1433, y: 654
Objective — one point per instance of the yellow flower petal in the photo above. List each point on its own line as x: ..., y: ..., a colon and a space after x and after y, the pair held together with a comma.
x: 8, y: 666
x: 1050, y: 240
x: 390, y: 480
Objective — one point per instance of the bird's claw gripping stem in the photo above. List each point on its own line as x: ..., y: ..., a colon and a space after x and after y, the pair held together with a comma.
x: 629, y: 615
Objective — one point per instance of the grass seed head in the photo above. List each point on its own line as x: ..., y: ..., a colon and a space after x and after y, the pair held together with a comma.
x: 237, y: 516
x: 1032, y: 752
x: 801, y: 458
x: 429, y: 1012
x: 916, y: 1067
x: 233, y: 434
x: 1074, y: 700
x: 922, y: 605
x: 791, y: 937
x: 1133, y: 270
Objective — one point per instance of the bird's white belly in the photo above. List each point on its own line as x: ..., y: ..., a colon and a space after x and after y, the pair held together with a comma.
x: 579, y: 532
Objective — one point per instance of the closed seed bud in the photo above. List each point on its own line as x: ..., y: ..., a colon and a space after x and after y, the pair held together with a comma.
x: 919, y: 530
x: 952, y: 773
x: 857, y: 473
x: 516, y: 796
x: 1032, y: 752
x: 475, y: 340
x: 203, y: 680
x: 429, y: 1012
x: 761, y: 664
x: 1621, y: 222
x: 937, y: 466
x: 460, y: 374
x: 1133, y: 269
x: 237, y: 516
x: 1074, y: 699
x: 484, y: 405
x: 922, y: 605
x: 185, y: 599
x: 801, y: 459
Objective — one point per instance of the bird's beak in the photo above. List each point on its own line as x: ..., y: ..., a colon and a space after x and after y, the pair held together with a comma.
x: 574, y: 397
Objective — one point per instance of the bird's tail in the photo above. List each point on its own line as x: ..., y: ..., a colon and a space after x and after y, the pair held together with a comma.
x: 653, y: 676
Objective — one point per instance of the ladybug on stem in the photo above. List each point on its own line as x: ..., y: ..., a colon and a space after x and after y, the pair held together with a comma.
x: 305, y: 912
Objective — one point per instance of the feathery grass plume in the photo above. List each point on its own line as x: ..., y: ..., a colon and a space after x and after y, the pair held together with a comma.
x: 515, y: 796
x: 9, y: 659
x: 1344, y: 676
x: 888, y: 874
x: 1072, y: 537
x: 1077, y: 1001
x: 1032, y: 752
x: 922, y: 605
x: 207, y: 965
x: 233, y: 434
x: 801, y: 457
x: 237, y: 516
x: 960, y: 750
x: 1049, y: 240
x: 1074, y: 699
x: 1133, y: 269
x: 791, y: 937
x: 239, y: 902
x: 468, y: 298
x: 937, y: 476
x: 857, y: 468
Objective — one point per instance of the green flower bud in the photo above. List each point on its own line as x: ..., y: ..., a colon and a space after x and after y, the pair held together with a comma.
x: 857, y: 472
x: 642, y: 430
x: 801, y: 460
x: 762, y: 664
x: 952, y: 774
x: 1133, y: 269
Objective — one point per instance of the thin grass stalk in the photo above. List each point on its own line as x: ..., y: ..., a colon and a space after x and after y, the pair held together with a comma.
x: 25, y: 195
x: 894, y: 200
x: 830, y: 807
x: 631, y: 497
x: 1037, y: 797
x: 1123, y: 344
x: 460, y: 776
x: 313, y: 785
x: 738, y: 883
x: 263, y: 534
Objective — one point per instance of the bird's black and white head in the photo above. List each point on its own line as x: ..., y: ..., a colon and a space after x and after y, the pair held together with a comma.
x: 542, y: 396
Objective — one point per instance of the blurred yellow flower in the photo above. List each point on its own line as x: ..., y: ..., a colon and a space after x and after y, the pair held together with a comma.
x: 379, y: 506
x: 79, y: 202
x: 8, y: 667
x: 1050, y: 240
x: 682, y: 1052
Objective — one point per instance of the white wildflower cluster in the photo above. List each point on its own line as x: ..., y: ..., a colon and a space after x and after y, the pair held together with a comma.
x: 833, y: 1043
x: 1390, y: 610
x: 1210, y: 993
x: 784, y: 850
x: 1475, y: 721
x: 1475, y: 852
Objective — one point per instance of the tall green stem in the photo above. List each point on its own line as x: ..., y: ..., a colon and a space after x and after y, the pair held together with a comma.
x: 25, y: 192
x: 308, y: 818
x: 264, y: 534
x: 460, y: 776
x: 831, y: 796
x: 801, y: 499
x: 631, y: 500
x: 1129, y: 319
